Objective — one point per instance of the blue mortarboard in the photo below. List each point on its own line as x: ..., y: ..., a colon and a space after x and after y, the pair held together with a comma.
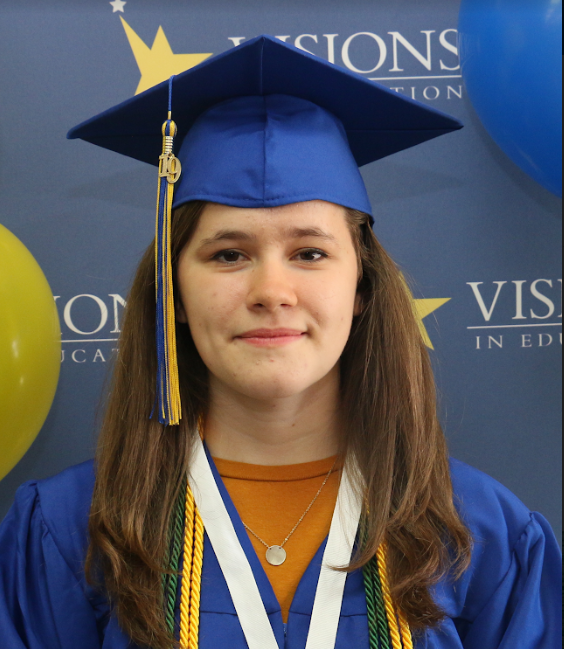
x: 266, y: 124
x: 263, y: 125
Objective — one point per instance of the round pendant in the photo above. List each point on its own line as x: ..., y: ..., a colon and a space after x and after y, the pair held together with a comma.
x: 276, y: 555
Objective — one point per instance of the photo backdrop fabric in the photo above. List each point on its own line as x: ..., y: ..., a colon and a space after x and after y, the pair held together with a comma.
x: 477, y: 238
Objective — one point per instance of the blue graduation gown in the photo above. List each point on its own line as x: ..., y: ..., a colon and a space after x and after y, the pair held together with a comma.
x: 510, y: 598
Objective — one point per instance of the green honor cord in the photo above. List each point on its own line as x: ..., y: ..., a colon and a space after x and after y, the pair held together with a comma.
x: 379, y: 633
x: 176, y: 544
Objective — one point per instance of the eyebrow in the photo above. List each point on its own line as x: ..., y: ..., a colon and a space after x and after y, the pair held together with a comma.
x: 301, y: 233
x: 228, y: 235
x: 240, y: 235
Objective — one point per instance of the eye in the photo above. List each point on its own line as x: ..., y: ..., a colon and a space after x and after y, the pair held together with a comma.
x: 311, y: 255
x: 228, y: 256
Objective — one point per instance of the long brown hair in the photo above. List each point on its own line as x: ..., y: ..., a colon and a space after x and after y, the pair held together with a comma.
x: 392, y: 434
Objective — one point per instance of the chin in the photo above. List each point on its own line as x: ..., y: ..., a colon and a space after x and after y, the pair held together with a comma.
x: 272, y: 391
x: 270, y: 388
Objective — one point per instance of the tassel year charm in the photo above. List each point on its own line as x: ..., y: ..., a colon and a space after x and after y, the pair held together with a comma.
x: 169, y: 165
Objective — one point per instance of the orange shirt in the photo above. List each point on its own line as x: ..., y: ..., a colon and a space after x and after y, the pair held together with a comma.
x: 271, y: 500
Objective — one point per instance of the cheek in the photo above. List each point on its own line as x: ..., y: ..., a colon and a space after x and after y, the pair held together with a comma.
x: 209, y: 302
x: 332, y: 304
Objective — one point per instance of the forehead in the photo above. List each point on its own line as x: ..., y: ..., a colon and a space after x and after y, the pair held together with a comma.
x: 314, y: 218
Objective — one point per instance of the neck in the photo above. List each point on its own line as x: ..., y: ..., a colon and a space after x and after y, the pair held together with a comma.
x: 290, y: 430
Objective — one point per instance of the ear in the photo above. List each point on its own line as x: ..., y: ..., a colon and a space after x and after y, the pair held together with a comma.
x: 181, y: 312
x: 358, y: 304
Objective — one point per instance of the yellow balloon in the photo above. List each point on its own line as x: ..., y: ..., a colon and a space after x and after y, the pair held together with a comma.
x: 30, y: 350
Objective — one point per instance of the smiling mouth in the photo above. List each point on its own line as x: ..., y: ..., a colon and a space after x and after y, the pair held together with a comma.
x: 271, y: 337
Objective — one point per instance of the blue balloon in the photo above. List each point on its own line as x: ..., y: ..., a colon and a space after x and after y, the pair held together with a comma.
x: 511, y: 53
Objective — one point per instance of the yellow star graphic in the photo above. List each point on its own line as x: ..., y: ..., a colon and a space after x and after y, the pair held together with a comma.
x: 423, y: 308
x: 159, y: 62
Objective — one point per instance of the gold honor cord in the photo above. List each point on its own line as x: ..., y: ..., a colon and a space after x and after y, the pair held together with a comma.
x: 400, y: 633
x: 191, y: 575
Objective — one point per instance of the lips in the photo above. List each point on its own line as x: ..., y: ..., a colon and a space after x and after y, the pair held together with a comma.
x: 271, y: 333
x: 271, y: 337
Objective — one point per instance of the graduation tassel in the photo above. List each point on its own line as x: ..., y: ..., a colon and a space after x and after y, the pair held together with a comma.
x: 168, y: 387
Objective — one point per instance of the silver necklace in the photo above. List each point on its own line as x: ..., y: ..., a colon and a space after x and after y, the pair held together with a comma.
x: 275, y: 554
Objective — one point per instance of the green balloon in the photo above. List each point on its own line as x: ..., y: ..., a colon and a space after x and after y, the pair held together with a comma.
x: 30, y: 350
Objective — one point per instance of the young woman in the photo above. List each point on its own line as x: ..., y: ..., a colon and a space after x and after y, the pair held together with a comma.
x: 271, y: 470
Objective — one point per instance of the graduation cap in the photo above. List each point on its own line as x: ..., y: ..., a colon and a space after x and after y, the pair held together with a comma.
x: 262, y: 125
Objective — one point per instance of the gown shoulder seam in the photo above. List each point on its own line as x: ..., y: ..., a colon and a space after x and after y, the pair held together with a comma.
x: 55, y: 542
x: 513, y: 552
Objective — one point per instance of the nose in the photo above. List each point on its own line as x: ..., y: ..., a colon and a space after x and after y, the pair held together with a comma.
x: 271, y: 287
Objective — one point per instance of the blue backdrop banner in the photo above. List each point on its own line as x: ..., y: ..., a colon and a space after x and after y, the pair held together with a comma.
x: 477, y: 236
